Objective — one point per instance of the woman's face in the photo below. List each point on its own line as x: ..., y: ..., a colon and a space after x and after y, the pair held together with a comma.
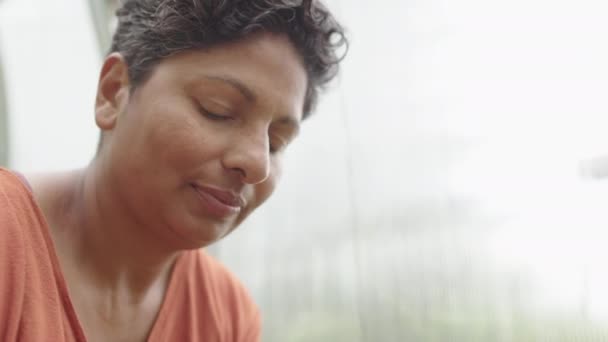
x: 198, y: 146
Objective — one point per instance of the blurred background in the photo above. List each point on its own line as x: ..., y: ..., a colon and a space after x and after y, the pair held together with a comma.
x: 449, y: 188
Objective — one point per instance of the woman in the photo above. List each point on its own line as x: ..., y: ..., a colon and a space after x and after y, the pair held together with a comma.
x: 196, y: 103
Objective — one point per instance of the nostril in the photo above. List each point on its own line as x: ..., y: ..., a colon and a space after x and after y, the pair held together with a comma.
x: 242, y: 173
x: 249, y: 159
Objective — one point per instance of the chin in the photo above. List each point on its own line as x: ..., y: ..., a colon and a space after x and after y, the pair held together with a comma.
x: 201, y: 234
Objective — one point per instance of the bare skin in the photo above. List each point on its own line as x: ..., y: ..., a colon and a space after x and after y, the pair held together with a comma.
x: 218, y: 119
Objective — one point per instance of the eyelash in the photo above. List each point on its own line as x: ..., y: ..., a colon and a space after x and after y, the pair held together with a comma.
x: 273, y: 148
x: 215, y: 117
x: 212, y: 116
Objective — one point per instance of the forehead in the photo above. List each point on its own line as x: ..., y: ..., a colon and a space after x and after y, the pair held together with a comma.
x: 265, y: 68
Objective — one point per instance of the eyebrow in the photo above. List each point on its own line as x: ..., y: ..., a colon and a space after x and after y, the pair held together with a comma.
x: 238, y: 85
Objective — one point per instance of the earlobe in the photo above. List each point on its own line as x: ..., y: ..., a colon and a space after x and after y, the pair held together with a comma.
x: 112, y: 91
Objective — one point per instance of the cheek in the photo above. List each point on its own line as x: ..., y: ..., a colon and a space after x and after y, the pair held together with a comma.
x: 179, y: 143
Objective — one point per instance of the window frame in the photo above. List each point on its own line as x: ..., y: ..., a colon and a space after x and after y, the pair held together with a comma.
x: 101, y: 15
x: 4, y: 131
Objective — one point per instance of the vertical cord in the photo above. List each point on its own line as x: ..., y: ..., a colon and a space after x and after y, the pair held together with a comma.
x: 352, y: 201
x: 354, y: 210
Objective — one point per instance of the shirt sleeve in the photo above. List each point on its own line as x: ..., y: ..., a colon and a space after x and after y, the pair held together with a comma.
x: 254, y: 331
x: 12, y: 267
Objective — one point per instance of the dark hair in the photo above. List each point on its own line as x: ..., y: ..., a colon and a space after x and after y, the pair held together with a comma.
x: 150, y: 30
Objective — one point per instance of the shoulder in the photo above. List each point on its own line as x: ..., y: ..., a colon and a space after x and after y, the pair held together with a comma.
x: 21, y: 221
x: 12, y: 187
x: 16, y: 218
x: 16, y: 202
x: 225, y: 295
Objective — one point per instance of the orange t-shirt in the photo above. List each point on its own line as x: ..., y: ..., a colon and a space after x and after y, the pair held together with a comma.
x: 204, y: 302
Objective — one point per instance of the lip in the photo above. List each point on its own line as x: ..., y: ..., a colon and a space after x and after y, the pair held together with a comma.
x: 219, y: 203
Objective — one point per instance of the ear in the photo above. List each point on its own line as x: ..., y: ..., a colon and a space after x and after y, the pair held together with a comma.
x: 112, y: 91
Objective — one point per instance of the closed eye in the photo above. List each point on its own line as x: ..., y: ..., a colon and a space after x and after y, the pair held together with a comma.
x: 214, y: 116
x: 277, y: 144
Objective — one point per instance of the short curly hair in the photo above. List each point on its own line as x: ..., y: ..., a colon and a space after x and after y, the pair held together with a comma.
x: 150, y: 30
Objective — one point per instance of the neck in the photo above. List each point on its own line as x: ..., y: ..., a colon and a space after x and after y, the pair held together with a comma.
x: 102, y: 241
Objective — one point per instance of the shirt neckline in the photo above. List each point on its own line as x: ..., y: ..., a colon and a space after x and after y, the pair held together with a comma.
x: 62, y: 284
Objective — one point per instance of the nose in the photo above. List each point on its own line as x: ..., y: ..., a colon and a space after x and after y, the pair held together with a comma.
x: 249, y: 155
